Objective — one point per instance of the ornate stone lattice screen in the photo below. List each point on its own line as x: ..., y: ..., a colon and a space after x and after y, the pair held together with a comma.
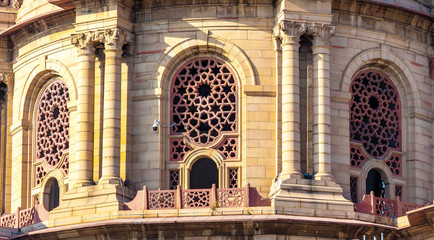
x: 375, y: 121
x: 204, y: 106
x: 52, y: 131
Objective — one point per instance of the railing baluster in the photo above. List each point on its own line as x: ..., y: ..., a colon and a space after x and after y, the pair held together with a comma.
x: 398, y: 207
x: 373, y: 202
x: 145, y: 198
x: 178, y: 196
x: 17, y: 215
x: 213, y: 196
x: 247, y: 195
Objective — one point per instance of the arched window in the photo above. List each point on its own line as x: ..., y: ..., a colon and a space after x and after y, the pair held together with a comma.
x: 51, y: 194
x: 375, y: 122
x: 204, y: 108
x: 52, y: 131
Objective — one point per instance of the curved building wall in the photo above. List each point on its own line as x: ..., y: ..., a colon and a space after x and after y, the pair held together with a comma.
x: 275, y: 100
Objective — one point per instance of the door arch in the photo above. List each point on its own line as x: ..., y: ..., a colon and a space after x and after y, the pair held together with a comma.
x: 376, y: 183
x: 204, y: 173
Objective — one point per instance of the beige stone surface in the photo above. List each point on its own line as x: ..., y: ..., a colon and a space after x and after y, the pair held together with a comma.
x: 119, y: 81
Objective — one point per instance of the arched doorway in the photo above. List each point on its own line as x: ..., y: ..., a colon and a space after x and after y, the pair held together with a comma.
x: 204, y: 174
x: 51, y: 194
x: 375, y: 183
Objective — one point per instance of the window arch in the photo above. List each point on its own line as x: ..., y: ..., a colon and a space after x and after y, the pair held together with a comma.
x: 375, y: 122
x: 52, y: 131
x: 204, y: 106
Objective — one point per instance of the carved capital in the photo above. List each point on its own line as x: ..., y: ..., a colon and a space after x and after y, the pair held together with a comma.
x: 16, y: 4
x: 322, y: 34
x: 289, y: 31
x: 116, y: 38
x: 111, y: 38
x: 84, y: 42
x: 7, y: 78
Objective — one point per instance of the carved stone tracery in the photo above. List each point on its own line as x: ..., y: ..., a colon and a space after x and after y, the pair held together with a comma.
x: 375, y: 121
x: 375, y: 113
x: 52, y: 130
x: 204, y: 101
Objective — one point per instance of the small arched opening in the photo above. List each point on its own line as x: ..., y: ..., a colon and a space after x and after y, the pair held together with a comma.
x: 51, y: 194
x: 204, y: 174
x: 376, y: 182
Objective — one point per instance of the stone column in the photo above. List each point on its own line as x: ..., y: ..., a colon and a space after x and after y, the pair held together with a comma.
x: 321, y: 102
x: 81, y: 167
x: 290, y: 33
x: 112, y: 107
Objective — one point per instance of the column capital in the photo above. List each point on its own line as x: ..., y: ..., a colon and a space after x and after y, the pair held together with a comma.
x: 115, y: 38
x: 84, y: 42
x: 289, y: 31
x: 7, y: 78
x: 322, y: 34
x: 112, y: 38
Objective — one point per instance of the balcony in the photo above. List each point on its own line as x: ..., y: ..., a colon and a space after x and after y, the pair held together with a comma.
x: 163, y: 202
x: 384, y: 207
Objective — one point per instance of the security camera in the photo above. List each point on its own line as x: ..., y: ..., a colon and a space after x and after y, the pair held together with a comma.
x: 155, y: 125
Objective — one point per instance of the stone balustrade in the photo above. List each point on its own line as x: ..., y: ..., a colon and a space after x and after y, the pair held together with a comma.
x: 25, y: 217
x: 383, y: 206
x: 196, y: 198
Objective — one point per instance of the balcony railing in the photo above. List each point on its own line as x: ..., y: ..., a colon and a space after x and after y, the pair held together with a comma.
x: 196, y: 198
x: 157, y: 199
x: 26, y: 217
x: 383, y: 206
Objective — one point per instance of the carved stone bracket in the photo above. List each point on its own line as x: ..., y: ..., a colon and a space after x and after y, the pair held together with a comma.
x: 111, y: 38
x: 322, y: 34
x: 289, y: 31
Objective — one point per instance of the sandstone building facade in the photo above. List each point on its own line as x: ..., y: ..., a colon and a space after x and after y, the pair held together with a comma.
x: 224, y: 119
